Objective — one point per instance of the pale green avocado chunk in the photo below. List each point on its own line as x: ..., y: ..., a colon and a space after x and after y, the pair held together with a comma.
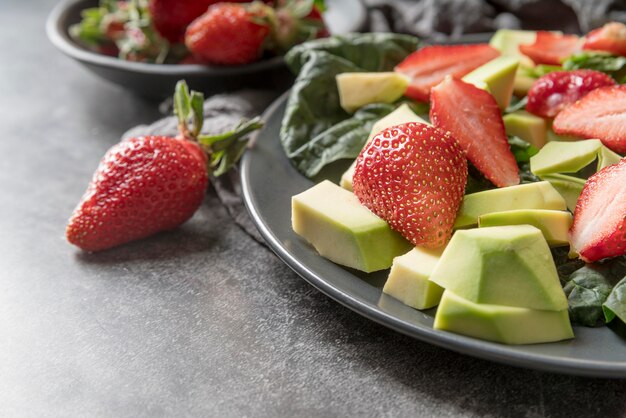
x: 530, y: 128
x: 359, y: 89
x: 408, y: 279
x: 570, y: 157
x: 502, y: 324
x: 344, y: 231
x: 403, y: 114
x: 501, y: 265
x: 553, y: 224
x: 499, y: 76
x: 539, y: 195
x: 569, y: 187
x: 507, y: 41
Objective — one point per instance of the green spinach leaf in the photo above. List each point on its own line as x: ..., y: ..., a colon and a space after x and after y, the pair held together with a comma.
x: 613, y: 65
x: 615, y: 305
x: 588, y: 288
x: 315, y: 129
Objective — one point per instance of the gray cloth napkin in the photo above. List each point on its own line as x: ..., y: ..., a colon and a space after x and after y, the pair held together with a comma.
x: 431, y: 19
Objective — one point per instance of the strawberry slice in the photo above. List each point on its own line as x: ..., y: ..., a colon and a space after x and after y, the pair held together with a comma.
x: 599, y: 228
x: 473, y: 118
x: 551, y: 48
x: 555, y: 91
x: 413, y: 176
x: 600, y: 114
x: 610, y: 38
x: 430, y: 65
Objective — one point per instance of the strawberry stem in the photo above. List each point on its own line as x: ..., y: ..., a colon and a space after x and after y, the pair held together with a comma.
x: 188, y: 106
x: 225, y: 149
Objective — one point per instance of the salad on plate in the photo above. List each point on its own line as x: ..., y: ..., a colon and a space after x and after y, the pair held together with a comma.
x: 488, y: 178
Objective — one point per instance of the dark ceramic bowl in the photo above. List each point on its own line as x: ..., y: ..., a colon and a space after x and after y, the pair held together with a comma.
x: 158, y: 80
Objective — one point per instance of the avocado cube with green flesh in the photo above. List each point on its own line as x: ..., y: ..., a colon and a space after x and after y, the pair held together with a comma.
x: 539, y: 195
x: 403, y: 114
x: 553, y: 224
x: 501, y: 265
x: 527, y: 126
x: 564, y: 157
x: 568, y: 187
x: 344, y: 231
x: 359, y: 89
x: 408, y: 279
x: 502, y: 324
x: 499, y: 75
x: 507, y: 41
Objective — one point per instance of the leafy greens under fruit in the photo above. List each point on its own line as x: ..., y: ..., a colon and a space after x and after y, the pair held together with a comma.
x: 615, y: 305
x: 588, y: 288
x: 315, y: 130
x: 613, y: 65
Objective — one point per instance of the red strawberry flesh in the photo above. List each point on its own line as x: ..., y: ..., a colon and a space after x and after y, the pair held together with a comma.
x: 413, y: 176
x: 428, y: 66
x: 609, y: 38
x: 473, y: 118
x: 227, y: 34
x: 600, y: 114
x: 555, y: 91
x: 599, y: 227
x: 142, y: 186
x: 551, y: 48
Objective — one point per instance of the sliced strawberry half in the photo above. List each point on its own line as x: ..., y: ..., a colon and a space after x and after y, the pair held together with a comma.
x: 473, y: 118
x: 600, y: 114
x: 555, y: 91
x: 431, y: 64
x: 610, y: 38
x: 599, y: 228
x: 413, y: 176
x: 551, y: 48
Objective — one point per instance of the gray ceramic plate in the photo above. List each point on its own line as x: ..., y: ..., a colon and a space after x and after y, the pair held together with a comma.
x: 158, y: 81
x: 269, y: 181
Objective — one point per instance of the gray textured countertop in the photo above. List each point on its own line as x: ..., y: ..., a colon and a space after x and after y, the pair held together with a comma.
x: 200, y: 321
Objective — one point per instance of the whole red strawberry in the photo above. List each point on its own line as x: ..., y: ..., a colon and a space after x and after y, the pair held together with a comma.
x: 149, y: 184
x: 142, y: 186
x: 171, y: 17
x: 555, y: 91
x: 229, y: 34
x: 413, y: 176
x: 599, y: 227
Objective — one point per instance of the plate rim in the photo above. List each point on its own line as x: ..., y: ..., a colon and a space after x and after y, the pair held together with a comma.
x: 498, y: 353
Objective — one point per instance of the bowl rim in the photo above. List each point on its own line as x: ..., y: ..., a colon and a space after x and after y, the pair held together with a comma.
x: 57, y: 32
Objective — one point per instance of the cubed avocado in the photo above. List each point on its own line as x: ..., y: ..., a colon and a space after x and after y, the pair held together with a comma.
x: 554, y: 224
x: 507, y: 41
x: 571, y: 157
x: 564, y: 157
x: 408, y: 279
x: 501, y: 265
x: 527, y: 126
x: 569, y: 187
x: 359, y: 89
x: 403, y: 114
x: 499, y: 75
x: 344, y: 231
x: 539, y: 195
x: 522, y: 84
x: 502, y: 324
